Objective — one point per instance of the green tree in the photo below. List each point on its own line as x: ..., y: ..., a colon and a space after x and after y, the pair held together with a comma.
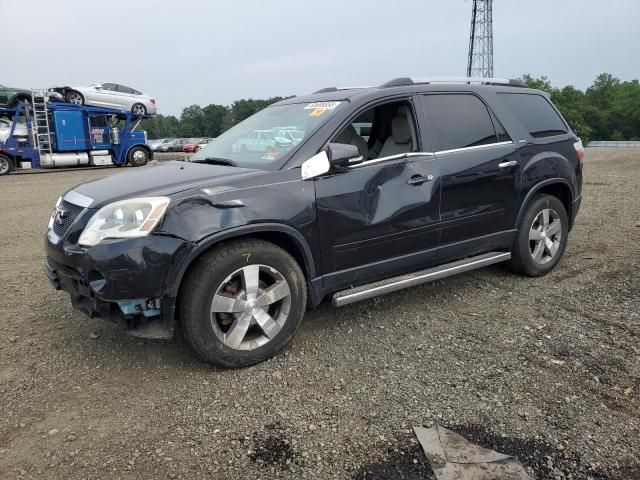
x: 541, y: 83
x: 215, y: 119
x: 573, y: 105
x: 192, y: 122
x: 625, y: 109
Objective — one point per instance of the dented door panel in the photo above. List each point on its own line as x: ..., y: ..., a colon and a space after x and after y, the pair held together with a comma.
x: 378, y: 211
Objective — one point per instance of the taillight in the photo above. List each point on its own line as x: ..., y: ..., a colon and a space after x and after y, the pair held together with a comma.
x: 579, y: 151
x: 152, y: 100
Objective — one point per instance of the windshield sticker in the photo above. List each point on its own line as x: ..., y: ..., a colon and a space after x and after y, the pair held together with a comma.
x: 324, y: 105
x: 271, y: 154
x: 318, y: 112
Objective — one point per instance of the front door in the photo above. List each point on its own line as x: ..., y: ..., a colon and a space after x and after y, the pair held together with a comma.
x: 479, y: 168
x: 379, y: 217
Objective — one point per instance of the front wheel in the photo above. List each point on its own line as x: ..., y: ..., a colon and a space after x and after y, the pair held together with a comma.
x: 242, y: 303
x: 138, y: 157
x: 541, y: 238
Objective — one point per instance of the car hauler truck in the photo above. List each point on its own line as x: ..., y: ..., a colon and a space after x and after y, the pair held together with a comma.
x: 46, y: 135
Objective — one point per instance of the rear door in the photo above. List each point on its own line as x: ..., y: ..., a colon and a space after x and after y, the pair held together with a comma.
x: 480, y: 171
x: 126, y: 97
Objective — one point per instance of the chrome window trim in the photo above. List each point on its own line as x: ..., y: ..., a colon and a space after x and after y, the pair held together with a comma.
x: 476, y: 147
x: 429, y: 154
x: 393, y: 157
x: 78, y: 199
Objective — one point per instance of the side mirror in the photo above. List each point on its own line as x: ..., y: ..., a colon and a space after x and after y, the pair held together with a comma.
x: 98, y: 86
x: 344, y: 154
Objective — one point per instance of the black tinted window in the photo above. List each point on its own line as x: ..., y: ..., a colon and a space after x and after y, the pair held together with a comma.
x: 535, y: 113
x: 460, y: 121
x: 109, y: 86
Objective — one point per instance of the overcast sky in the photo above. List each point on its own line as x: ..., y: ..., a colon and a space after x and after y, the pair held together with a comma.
x: 186, y: 52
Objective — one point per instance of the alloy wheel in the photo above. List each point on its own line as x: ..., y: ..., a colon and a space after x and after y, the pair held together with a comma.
x: 250, y: 307
x: 138, y: 109
x: 75, y: 98
x: 545, y: 236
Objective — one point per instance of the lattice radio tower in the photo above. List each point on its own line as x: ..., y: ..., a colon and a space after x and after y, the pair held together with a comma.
x: 481, y: 40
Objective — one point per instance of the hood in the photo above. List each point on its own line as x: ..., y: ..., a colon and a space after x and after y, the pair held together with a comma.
x: 161, y: 180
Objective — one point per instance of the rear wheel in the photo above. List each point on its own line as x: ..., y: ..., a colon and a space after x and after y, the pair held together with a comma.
x: 242, y: 303
x: 6, y: 165
x: 541, y: 238
x: 138, y: 157
x: 139, y: 109
x: 74, y: 97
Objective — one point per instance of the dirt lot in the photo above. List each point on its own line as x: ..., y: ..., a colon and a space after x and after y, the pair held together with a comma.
x: 547, y: 369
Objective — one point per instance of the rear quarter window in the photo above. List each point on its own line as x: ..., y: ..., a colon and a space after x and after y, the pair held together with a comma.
x: 535, y: 113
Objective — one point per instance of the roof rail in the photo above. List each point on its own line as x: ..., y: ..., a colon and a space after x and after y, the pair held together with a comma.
x: 336, y: 89
x: 397, y: 82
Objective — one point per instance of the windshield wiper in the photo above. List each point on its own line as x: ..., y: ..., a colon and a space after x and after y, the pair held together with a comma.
x: 216, y: 161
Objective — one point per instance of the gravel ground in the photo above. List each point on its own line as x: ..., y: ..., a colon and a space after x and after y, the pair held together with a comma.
x: 546, y: 369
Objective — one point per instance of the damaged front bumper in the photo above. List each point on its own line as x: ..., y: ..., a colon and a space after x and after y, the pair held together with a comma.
x: 121, y: 281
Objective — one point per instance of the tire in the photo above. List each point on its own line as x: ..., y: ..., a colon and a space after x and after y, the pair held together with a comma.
x: 15, y: 101
x: 138, y: 157
x: 74, y: 97
x: 139, y: 109
x: 222, y: 273
x: 538, y: 247
x: 6, y: 165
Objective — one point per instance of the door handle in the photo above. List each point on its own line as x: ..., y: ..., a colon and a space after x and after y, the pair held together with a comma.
x: 511, y: 163
x: 419, y: 179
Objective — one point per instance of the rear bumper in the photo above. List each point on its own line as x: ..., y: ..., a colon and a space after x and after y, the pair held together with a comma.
x: 120, y: 281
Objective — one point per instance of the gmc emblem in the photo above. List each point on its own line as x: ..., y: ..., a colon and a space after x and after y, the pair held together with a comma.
x: 60, y: 215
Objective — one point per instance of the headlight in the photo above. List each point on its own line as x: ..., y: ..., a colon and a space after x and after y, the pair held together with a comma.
x: 136, y: 217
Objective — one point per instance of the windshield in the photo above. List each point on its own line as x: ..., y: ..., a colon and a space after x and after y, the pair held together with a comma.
x: 264, y: 138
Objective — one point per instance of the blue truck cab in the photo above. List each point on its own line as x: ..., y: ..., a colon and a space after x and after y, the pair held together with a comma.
x: 64, y: 135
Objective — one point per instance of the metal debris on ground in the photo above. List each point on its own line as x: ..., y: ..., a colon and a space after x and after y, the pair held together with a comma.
x: 453, y: 457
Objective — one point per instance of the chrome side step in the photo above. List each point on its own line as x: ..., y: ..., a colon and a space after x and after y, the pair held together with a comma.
x: 389, y: 285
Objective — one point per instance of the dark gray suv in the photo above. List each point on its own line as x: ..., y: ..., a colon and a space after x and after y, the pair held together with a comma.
x: 387, y: 187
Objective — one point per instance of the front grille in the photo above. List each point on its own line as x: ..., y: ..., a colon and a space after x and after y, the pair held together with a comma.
x: 65, y: 215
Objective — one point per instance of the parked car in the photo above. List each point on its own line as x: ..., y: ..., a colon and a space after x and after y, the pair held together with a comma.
x: 261, y: 141
x: 154, y: 144
x: 111, y: 95
x: 175, y: 145
x: 203, y: 143
x: 11, y: 96
x: 5, y: 129
x: 195, y: 145
x: 235, y: 245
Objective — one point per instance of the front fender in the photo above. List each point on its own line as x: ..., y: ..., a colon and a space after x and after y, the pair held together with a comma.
x: 211, y: 241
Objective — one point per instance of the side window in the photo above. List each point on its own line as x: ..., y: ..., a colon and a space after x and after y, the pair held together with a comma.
x: 99, y: 121
x: 460, y: 121
x: 123, y: 89
x: 382, y: 131
x: 535, y: 113
x: 109, y: 86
